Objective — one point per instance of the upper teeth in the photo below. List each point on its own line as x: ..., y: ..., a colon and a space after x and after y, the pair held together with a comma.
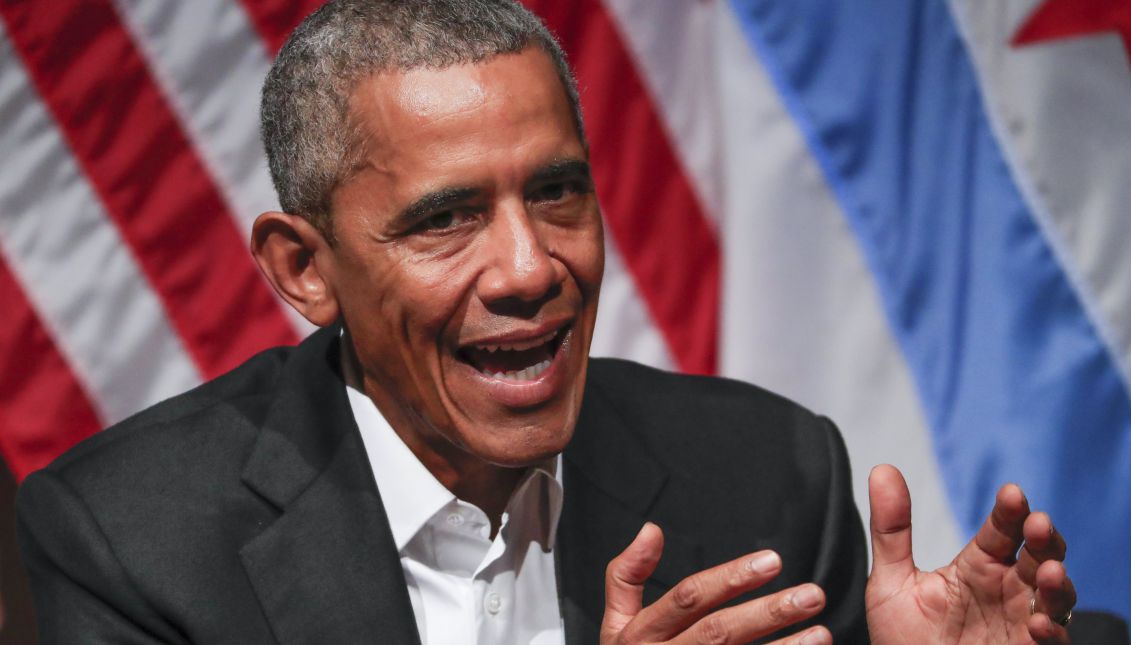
x: 520, y: 345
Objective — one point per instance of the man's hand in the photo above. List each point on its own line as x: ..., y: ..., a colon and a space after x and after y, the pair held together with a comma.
x: 687, y: 614
x: 990, y: 593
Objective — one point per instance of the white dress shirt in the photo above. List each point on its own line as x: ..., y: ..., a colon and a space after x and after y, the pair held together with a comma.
x: 464, y: 586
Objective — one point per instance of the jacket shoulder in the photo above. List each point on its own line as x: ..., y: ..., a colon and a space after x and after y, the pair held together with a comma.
x: 210, y: 417
x: 667, y: 398
x: 131, y: 529
x: 721, y: 439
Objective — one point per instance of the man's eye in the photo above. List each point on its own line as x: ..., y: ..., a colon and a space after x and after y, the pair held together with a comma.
x: 551, y: 193
x: 555, y: 192
x: 442, y: 221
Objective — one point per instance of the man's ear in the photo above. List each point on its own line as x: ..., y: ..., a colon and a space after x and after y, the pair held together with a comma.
x: 297, y: 261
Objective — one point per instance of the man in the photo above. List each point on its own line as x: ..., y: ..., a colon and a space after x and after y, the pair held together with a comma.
x: 442, y: 462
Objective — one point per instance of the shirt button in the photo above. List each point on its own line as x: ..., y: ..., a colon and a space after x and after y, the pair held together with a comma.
x: 493, y: 603
x: 455, y: 519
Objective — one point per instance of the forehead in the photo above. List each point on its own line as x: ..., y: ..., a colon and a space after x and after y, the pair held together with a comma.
x: 509, y: 94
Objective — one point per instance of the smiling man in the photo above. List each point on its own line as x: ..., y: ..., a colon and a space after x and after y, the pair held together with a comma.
x: 465, y: 263
x: 443, y: 463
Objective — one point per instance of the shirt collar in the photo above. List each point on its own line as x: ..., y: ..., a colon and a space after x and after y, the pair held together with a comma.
x: 544, y: 480
x: 411, y: 494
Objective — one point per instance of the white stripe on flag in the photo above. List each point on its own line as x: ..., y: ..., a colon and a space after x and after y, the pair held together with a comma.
x: 1060, y: 111
x: 801, y: 313
x: 211, y: 64
x: 624, y: 328
x: 674, y: 53
x: 53, y: 232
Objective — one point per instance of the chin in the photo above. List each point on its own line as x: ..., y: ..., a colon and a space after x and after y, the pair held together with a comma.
x: 520, y: 446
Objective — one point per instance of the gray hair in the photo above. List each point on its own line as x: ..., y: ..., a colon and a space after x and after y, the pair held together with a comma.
x: 305, y: 108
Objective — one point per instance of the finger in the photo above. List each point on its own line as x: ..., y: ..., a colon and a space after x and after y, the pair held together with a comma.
x: 625, y: 576
x: 1001, y: 534
x: 1042, y: 542
x: 1045, y: 632
x: 756, y: 618
x: 819, y: 635
x: 1056, y: 595
x: 891, y: 523
x: 698, y: 594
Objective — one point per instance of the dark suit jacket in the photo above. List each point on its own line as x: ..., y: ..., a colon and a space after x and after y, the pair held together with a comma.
x: 245, y: 511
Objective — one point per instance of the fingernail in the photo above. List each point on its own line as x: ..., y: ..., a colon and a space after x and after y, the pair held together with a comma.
x: 806, y: 598
x: 814, y: 638
x: 765, y: 563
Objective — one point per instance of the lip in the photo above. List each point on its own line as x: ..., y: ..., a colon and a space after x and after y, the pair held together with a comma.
x: 524, y: 394
x: 521, y: 335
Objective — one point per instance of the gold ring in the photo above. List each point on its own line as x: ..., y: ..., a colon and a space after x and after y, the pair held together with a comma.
x: 1063, y: 621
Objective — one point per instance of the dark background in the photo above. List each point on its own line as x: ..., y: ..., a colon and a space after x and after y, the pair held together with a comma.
x: 18, y: 620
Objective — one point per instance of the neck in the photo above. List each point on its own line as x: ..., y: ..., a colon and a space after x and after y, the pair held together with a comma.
x: 489, y: 487
x: 486, y: 485
x: 469, y: 478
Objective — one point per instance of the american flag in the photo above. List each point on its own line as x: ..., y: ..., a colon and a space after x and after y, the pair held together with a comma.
x: 910, y: 215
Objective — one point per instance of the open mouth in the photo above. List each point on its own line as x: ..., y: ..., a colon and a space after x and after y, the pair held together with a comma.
x: 516, y: 361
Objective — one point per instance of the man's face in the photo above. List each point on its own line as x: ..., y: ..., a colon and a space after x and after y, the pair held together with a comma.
x: 469, y: 257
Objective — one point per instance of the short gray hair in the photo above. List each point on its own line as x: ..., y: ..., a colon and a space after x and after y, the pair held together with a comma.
x: 305, y: 108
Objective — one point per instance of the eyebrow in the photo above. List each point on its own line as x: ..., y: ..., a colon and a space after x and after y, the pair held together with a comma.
x: 561, y: 169
x: 431, y: 203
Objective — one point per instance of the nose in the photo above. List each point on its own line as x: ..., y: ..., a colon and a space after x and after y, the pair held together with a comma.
x: 520, y: 267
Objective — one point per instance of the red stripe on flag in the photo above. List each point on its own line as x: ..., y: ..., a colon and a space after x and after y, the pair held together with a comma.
x: 1056, y: 19
x: 157, y: 191
x: 656, y: 221
x: 45, y: 409
x: 276, y: 19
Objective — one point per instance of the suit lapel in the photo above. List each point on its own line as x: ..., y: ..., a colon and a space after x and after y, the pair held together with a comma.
x: 327, y: 570
x: 611, y: 482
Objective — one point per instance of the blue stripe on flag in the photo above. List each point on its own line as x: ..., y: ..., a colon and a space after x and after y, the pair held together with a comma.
x: 1015, y: 381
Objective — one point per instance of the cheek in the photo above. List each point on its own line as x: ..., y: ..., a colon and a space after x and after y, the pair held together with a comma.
x: 584, y: 257
x: 431, y: 299
x: 397, y: 305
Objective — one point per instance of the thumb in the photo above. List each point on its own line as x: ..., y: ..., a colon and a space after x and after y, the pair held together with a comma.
x: 625, y: 576
x: 891, y: 525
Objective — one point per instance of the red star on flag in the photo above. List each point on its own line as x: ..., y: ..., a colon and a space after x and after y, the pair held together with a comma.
x: 1056, y: 19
